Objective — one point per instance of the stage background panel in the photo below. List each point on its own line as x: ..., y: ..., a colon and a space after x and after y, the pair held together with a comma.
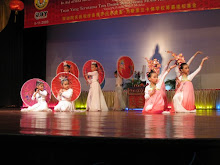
x: 138, y: 37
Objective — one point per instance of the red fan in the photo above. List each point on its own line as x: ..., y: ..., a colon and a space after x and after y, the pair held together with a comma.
x: 28, y: 90
x: 125, y: 67
x: 73, y: 68
x: 73, y: 83
x: 87, y: 68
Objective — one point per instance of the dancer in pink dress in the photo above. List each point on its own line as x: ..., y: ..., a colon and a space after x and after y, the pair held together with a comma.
x: 154, y: 101
x: 184, y: 99
x: 179, y: 60
x: 155, y: 66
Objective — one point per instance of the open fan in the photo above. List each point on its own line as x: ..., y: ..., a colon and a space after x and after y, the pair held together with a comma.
x: 73, y: 68
x: 74, y: 83
x: 28, y: 90
x: 87, y: 68
x: 125, y: 67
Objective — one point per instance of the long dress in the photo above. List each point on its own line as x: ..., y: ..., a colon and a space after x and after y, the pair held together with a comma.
x: 73, y: 102
x: 163, y: 88
x: 65, y: 103
x: 119, y: 103
x: 184, y: 98
x: 41, y: 104
x: 95, y: 99
x: 154, y: 103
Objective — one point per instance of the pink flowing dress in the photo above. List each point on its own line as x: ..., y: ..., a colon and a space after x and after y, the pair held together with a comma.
x: 184, y: 98
x: 155, y: 103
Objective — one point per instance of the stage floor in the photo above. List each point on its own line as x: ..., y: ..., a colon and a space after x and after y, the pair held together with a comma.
x: 110, y: 138
x: 205, y: 124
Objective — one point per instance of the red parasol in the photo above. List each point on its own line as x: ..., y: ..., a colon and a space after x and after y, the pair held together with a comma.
x: 73, y: 68
x: 125, y: 67
x: 74, y: 83
x: 87, y: 68
x: 28, y: 90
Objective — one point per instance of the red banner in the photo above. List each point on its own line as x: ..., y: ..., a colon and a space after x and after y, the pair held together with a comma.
x: 52, y: 12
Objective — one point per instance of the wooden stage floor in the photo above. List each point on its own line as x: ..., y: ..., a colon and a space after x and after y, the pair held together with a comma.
x: 117, y: 124
x: 114, y: 137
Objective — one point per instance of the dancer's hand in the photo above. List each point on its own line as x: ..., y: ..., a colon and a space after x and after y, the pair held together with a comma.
x: 168, y: 51
x: 203, y: 60
x: 61, y: 91
x: 37, y: 91
x: 199, y: 52
x: 206, y: 58
x: 146, y: 58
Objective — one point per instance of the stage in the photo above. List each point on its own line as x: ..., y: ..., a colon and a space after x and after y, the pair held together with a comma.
x: 114, y: 137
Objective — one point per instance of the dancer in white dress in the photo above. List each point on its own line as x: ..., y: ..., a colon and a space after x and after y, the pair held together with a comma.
x: 40, y: 95
x: 66, y: 68
x: 119, y: 103
x: 95, y: 99
x: 64, y: 97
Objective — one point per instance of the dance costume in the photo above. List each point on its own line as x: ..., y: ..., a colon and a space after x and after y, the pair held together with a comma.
x: 41, y: 104
x: 184, y: 99
x: 65, y: 103
x: 163, y: 88
x: 95, y: 99
x: 155, y: 103
x: 119, y: 103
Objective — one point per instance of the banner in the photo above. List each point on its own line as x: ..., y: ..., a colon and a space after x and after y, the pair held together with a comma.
x: 52, y: 12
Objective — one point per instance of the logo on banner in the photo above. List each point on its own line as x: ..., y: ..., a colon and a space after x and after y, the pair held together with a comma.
x: 41, y: 4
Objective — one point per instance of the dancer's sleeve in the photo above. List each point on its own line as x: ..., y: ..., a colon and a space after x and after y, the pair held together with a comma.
x: 159, y: 84
x: 192, y: 75
x: 89, y: 81
x: 92, y: 73
x: 43, y: 93
x: 58, y: 97
x: 163, y: 71
x: 190, y: 60
x: 68, y: 94
x: 33, y: 97
x: 177, y: 71
x: 146, y: 93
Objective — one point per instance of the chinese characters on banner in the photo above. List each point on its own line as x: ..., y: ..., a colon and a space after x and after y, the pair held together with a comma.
x: 52, y: 12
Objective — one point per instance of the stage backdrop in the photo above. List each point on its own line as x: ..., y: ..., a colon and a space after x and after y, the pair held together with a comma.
x: 139, y: 37
x: 51, y: 12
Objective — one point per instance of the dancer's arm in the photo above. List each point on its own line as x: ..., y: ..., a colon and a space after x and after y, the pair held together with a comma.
x: 68, y: 94
x: 43, y: 93
x: 177, y: 70
x: 92, y: 73
x: 59, y: 94
x: 166, y: 67
x: 192, y: 58
x: 88, y: 81
x: 159, y: 84
x: 191, y: 76
x: 34, y: 95
x: 146, y: 93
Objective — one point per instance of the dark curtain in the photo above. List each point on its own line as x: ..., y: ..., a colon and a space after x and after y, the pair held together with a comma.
x: 11, y: 48
x: 35, y: 53
x: 23, y: 56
